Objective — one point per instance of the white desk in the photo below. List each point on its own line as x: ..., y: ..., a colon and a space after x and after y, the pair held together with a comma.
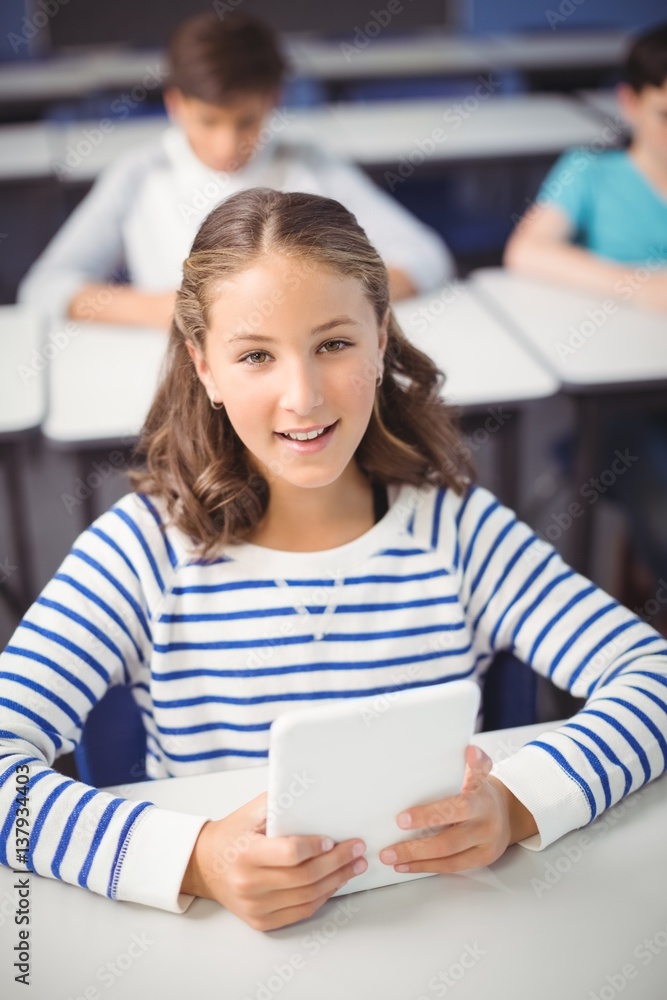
x: 626, y: 348
x: 101, y: 383
x: 22, y: 406
x: 556, y: 938
x: 27, y: 151
x: 606, y: 104
x: 22, y: 382
x: 603, y: 358
x: 376, y: 134
x: 483, y: 363
x: 380, y: 133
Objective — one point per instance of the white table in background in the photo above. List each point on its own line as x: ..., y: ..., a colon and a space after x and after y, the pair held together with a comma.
x: 606, y: 104
x: 380, y: 133
x: 101, y: 385
x: 27, y: 151
x: 488, y: 372
x: 22, y: 407
x: 554, y: 924
x: 603, y: 358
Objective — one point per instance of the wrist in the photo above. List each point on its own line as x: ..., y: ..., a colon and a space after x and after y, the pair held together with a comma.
x: 194, y: 881
x: 521, y: 821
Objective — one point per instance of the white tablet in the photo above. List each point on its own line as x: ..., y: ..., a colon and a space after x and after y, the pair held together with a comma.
x: 348, y: 769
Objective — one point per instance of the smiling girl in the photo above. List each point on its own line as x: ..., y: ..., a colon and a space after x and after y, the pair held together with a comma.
x: 304, y: 529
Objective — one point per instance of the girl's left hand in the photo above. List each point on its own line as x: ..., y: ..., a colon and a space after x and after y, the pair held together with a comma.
x: 470, y: 830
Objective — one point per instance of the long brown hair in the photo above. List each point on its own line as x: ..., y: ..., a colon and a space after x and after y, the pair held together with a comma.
x: 193, y: 457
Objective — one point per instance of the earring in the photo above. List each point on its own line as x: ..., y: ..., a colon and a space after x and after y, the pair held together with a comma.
x: 378, y: 380
x: 216, y: 404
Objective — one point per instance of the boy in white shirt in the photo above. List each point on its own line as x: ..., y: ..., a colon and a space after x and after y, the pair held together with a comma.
x: 144, y: 210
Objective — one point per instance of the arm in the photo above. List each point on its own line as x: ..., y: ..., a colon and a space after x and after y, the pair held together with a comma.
x: 74, y: 276
x: 414, y: 252
x: 109, y: 303
x: 541, y: 245
x: 520, y: 595
x: 89, y: 628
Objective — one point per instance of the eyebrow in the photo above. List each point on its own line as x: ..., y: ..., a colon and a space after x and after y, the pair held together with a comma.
x: 322, y: 328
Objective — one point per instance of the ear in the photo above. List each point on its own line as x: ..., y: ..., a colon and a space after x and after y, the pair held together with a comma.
x: 202, y: 369
x: 628, y: 100
x: 173, y: 102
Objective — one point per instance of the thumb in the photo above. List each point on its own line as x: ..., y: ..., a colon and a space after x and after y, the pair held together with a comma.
x: 256, y: 812
x: 478, y: 767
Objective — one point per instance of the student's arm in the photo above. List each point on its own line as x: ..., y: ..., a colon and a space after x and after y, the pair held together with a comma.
x: 520, y: 596
x: 74, y: 276
x: 414, y: 252
x: 541, y: 244
x: 89, y: 629
x: 123, y: 304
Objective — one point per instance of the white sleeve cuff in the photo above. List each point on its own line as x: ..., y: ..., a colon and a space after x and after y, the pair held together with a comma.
x: 158, y: 850
x: 547, y: 791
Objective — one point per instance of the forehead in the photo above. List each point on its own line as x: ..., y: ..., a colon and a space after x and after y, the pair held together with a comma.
x: 278, y: 293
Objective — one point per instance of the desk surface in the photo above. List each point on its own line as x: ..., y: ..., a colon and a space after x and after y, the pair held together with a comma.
x: 483, y: 363
x: 101, y: 383
x: 585, y: 347
x: 555, y: 924
x: 375, y: 134
x: 22, y: 382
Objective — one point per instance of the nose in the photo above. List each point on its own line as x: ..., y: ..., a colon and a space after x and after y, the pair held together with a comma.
x: 302, y: 391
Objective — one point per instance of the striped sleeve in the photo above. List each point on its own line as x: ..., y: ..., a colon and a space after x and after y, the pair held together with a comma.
x: 520, y: 596
x: 89, y: 629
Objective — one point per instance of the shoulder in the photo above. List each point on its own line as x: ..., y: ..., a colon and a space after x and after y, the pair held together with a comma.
x: 135, y: 532
x: 133, y: 165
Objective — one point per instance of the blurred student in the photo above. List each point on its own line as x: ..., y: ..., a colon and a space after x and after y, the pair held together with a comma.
x: 600, y: 222
x: 140, y: 218
x: 600, y: 219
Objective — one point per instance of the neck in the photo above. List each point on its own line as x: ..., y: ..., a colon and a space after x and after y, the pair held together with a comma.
x: 653, y: 167
x: 308, y: 520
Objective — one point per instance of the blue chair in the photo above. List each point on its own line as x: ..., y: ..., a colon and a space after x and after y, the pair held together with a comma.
x: 112, y: 748
x: 509, y: 695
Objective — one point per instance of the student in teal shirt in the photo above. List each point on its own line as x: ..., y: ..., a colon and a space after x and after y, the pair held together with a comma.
x: 600, y: 222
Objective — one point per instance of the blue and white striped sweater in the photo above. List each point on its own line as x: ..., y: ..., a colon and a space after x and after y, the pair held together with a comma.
x: 214, y: 652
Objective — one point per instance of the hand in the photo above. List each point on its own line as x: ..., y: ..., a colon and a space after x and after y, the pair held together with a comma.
x: 653, y: 294
x: 470, y: 829
x: 268, y: 882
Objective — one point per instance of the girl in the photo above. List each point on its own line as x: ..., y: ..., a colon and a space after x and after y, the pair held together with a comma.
x: 304, y: 528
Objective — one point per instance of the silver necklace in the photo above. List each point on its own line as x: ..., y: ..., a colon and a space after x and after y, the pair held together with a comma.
x: 323, y: 621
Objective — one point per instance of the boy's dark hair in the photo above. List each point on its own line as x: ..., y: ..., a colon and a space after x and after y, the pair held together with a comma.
x: 646, y: 62
x: 215, y: 58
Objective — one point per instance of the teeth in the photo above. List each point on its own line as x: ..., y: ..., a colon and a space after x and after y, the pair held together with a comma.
x: 306, y: 437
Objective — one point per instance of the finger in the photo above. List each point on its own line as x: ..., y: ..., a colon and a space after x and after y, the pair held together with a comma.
x: 478, y: 767
x: 435, y: 815
x: 453, y: 840
x: 289, y: 852
x: 313, y: 869
x: 473, y: 857
x: 288, y: 915
x: 296, y: 895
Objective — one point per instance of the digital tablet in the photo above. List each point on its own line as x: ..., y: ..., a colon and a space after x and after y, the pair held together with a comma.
x: 348, y: 769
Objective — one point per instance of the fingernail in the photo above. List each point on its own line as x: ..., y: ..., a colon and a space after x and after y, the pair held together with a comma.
x: 404, y: 820
x: 388, y: 856
x: 327, y: 844
x: 358, y: 849
x: 360, y: 866
x: 479, y: 754
x: 402, y: 868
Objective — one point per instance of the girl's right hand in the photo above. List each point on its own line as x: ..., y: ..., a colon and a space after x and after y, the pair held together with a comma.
x: 268, y: 882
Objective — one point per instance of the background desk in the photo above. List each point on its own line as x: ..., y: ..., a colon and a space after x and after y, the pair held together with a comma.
x: 22, y: 406
x: 620, y: 361
x: 556, y: 938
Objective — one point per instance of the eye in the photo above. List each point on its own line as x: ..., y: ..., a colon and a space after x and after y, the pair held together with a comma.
x: 252, y: 355
x: 343, y: 342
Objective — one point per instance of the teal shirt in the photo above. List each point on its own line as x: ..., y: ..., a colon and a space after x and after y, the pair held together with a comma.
x: 615, y: 211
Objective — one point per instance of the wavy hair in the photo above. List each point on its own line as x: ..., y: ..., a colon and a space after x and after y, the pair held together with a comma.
x: 190, y: 454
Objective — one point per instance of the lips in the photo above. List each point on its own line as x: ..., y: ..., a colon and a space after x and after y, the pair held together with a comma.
x: 321, y: 434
